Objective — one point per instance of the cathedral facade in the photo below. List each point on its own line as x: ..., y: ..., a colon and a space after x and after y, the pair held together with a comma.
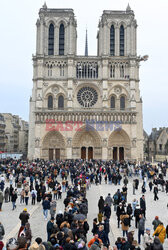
x: 85, y: 107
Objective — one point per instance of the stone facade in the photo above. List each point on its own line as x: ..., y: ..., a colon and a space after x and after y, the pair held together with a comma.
x: 16, y: 134
x: 85, y: 106
x: 23, y: 137
x: 3, y: 138
x: 158, y: 144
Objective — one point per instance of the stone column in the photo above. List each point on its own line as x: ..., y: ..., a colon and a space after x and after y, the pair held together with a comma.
x: 117, y: 41
x: 104, y: 153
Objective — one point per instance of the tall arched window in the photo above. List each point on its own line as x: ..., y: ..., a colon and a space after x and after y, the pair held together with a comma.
x: 122, y: 102
x: 60, y: 102
x: 122, y: 71
x: 112, y: 40
x: 61, y: 39
x: 112, y: 71
x: 112, y: 102
x: 122, y: 40
x: 51, y: 40
x: 50, y: 102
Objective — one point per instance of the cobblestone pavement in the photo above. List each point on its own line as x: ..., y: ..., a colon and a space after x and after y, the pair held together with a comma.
x: 11, y: 222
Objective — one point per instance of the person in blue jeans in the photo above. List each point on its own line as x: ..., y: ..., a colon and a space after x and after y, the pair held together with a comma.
x: 46, y: 207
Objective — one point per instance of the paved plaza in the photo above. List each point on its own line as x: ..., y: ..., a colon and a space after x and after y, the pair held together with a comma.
x: 11, y: 222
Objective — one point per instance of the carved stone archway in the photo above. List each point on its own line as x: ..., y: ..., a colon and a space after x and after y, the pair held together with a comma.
x: 53, y: 143
x: 89, y: 138
x: 119, y: 145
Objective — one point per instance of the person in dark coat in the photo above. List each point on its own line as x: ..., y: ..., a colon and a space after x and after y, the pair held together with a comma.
x: 95, y: 226
x: 106, y: 228
x: 102, y: 236
x: 137, y: 212
x: 24, y: 217
x: 101, y: 204
x: 46, y: 207
x: 143, y: 205
x: 28, y: 233
x: 50, y: 226
x: 155, y: 191
x: 107, y: 211
x: 6, y: 194
x: 120, y: 210
x: 156, y: 244
x: 13, y: 199
x: 129, y: 212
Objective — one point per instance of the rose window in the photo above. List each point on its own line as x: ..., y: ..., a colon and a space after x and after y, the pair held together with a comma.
x: 87, y: 97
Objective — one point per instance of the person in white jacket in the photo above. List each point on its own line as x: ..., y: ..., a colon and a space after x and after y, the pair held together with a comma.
x: 147, y: 239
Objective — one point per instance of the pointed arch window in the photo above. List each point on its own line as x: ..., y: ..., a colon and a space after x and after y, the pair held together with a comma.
x: 61, y: 39
x: 112, y: 71
x: 122, y: 71
x: 60, y: 102
x: 51, y: 40
x: 112, y: 40
x: 112, y: 102
x: 122, y: 102
x: 122, y: 40
x: 50, y: 102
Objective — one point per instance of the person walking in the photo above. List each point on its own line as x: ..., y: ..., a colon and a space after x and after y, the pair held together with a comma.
x: 2, y: 231
x: 50, y: 226
x: 24, y: 217
x: 34, y: 196
x: 160, y: 232
x: 46, y: 207
x: 107, y: 228
x: 27, y: 195
x: 101, y: 204
x: 107, y: 211
x: 125, y: 223
x: 143, y: 205
x: 53, y: 206
x: 120, y: 210
x: 137, y: 213
x: 108, y: 200
x: 6, y: 194
x: 13, y: 199
x: 155, y: 191
x: 141, y: 227
x: 1, y: 200
x: 156, y: 222
x: 147, y: 239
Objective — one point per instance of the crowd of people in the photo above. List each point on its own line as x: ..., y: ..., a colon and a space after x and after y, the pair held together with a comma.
x: 43, y: 182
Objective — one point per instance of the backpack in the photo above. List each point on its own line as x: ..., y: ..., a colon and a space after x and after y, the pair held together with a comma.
x: 115, y: 197
x: 33, y: 195
x: 126, y: 221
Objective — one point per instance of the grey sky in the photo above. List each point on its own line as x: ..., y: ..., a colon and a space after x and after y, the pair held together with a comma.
x: 18, y: 37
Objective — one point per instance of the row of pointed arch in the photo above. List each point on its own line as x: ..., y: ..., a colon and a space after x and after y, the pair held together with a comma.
x: 60, y: 102
x: 113, y: 102
x: 51, y: 41
x: 112, y: 40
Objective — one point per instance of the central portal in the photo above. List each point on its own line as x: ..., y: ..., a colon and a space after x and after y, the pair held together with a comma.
x: 87, y: 153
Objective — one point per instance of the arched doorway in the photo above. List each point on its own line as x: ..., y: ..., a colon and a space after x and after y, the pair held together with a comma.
x: 83, y: 153
x: 86, y: 144
x: 90, y: 153
x: 119, y: 146
x: 53, y: 146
